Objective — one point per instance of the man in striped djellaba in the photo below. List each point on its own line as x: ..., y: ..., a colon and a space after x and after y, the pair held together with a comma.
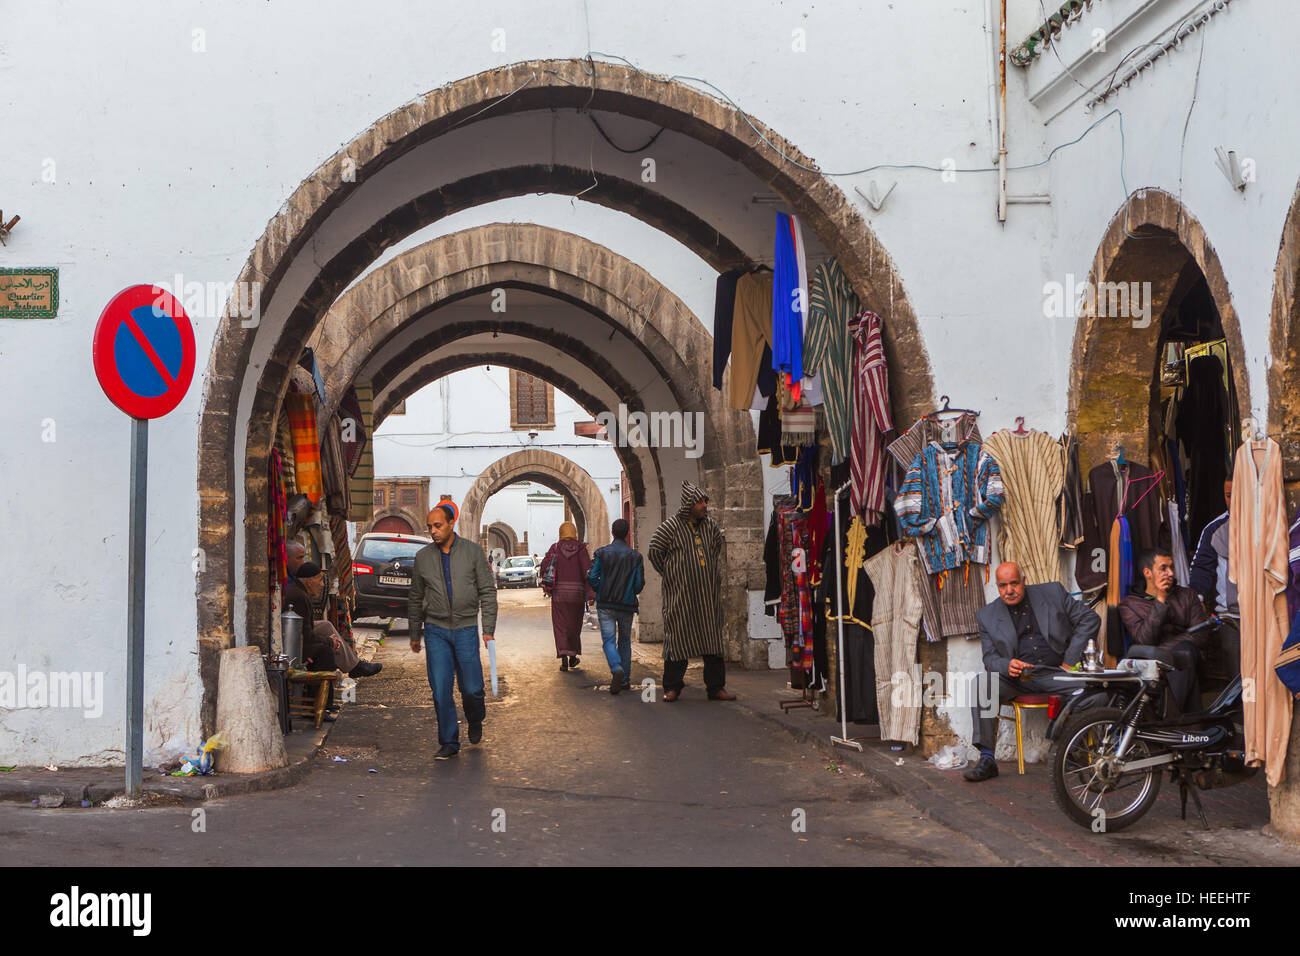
x: 686, y: 550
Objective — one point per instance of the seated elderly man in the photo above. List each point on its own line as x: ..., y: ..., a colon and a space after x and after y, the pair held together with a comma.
x: 1028, y: 634
x: 1161, y: 618
x: 322, y: 645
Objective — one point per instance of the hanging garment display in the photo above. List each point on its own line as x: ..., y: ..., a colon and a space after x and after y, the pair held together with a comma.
x: 769, y: 435
x: 950, y: 491
x: 361, y: 483
x: 1257, y: 562
x: 787, y: 307
x: 1293, y: 558
x: 811, y: 384
x: 799, y: 425
x: 751, y: 333
x: 1201, y: 416
x: 284, y: 445
x: 301, y: 409
x: 828, y: 350
x: 334, y: 472
x: 724, y: 308
x: 355, y: 432
x: 1182, y: 567
x: 871, y: 416
x: 772, y: 564
x: 792, y: 530
x: 818, y: 525
x: 1109, y: 487
x: 1071, y: 500
x: 275, y: 536
x: 895, y: 624
x: 803, y: 477
x: 1033, y: 477
x: 852, y: 546
x: 949, y: 600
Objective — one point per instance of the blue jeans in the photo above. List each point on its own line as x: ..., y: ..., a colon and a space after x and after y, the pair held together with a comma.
x: 616, y: 636
x: 454, y: 652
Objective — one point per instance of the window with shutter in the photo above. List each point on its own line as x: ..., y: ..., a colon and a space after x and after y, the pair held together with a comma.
x: 532, y: 402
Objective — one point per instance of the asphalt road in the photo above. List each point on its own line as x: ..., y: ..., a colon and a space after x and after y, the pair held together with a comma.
x: 566, y: 774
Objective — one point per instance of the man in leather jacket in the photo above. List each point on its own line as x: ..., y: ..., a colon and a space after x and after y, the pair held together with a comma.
x: 1161, y: 617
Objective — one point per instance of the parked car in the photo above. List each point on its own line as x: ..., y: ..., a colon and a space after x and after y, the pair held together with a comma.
x: 517, y: 572
x: 381, y: 570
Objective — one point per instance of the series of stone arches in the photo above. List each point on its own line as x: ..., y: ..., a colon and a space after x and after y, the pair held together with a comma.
x: 319, y: 243
x: 591, y: 515
x: 334, y: 226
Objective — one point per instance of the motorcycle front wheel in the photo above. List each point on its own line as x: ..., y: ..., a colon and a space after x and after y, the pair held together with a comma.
x: 1085, y: 778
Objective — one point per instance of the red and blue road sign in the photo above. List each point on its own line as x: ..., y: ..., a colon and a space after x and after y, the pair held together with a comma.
x: 144, y: 351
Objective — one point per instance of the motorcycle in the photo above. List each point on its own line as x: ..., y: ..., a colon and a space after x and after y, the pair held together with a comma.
x: 1111, y: 742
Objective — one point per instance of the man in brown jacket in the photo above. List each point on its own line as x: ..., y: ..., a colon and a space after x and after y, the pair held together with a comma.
x: 1161, y: 617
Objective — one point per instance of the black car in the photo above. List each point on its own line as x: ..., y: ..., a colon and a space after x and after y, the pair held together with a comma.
x: 381, y: 569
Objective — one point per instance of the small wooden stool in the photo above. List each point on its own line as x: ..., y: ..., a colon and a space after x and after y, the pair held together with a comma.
x: 308, y: 702
x: 1023, y: 702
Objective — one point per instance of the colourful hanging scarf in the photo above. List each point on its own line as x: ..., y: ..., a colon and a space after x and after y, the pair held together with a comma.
x: 301, y: 409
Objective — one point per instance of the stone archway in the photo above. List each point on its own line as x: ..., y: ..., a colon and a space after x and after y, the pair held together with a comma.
x: 325, y: 235
x: 546, y: 468
x: 1284, y: 348
x: 500, y: 534
x: 396, y: 520
x: 1113, y: 372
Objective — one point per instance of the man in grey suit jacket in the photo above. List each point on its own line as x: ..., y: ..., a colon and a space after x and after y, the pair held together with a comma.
x: 1028, y: 634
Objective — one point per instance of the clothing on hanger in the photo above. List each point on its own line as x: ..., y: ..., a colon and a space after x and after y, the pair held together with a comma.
x: 1033, y: 477
x: 1257, y: 561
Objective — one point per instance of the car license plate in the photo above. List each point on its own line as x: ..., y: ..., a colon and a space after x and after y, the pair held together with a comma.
x: 401, y: 582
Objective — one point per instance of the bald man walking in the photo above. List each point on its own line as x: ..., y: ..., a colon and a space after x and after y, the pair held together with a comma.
x: 1027, y: 634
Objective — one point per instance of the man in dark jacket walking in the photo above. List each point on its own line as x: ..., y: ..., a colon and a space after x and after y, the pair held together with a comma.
x: 450, y: 583
x: 617, y: 576
x: 1161, y: 618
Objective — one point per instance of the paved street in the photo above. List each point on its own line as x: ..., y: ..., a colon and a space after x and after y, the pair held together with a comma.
x: 581, y: 776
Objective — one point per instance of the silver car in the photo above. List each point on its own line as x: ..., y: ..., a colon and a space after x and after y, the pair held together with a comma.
x: 517, y: 572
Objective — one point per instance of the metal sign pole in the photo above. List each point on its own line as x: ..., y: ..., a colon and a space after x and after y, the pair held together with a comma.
x: 135, y: 610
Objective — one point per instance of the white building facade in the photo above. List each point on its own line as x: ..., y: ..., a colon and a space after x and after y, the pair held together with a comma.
x: 364, y: 181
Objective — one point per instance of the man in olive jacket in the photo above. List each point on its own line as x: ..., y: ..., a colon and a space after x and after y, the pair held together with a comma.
x: 450, y: 583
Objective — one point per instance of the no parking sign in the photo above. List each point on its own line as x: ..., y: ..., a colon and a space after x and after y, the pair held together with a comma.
x: 144, y: 359
x: 144, y: 351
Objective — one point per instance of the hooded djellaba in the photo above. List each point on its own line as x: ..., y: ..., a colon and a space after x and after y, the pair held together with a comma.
x: 688, y: 555
x: 569, y: 592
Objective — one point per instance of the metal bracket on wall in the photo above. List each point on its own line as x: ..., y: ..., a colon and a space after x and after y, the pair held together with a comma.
x: 873, y: 198
x: 7, y: 227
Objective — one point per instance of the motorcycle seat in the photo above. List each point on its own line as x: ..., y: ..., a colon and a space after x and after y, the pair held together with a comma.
x: 1149, y: 653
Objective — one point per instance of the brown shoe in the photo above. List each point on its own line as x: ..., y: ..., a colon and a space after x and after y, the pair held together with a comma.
x: 671, y: 695
x: 722, y: 695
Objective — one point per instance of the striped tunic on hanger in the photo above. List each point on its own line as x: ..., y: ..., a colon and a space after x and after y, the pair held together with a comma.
x: 1033, y: 473
x: 828, y: 350
x: 871, y: 418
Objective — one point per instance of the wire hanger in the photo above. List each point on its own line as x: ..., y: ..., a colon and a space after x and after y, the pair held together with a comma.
x: 949, y: 411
